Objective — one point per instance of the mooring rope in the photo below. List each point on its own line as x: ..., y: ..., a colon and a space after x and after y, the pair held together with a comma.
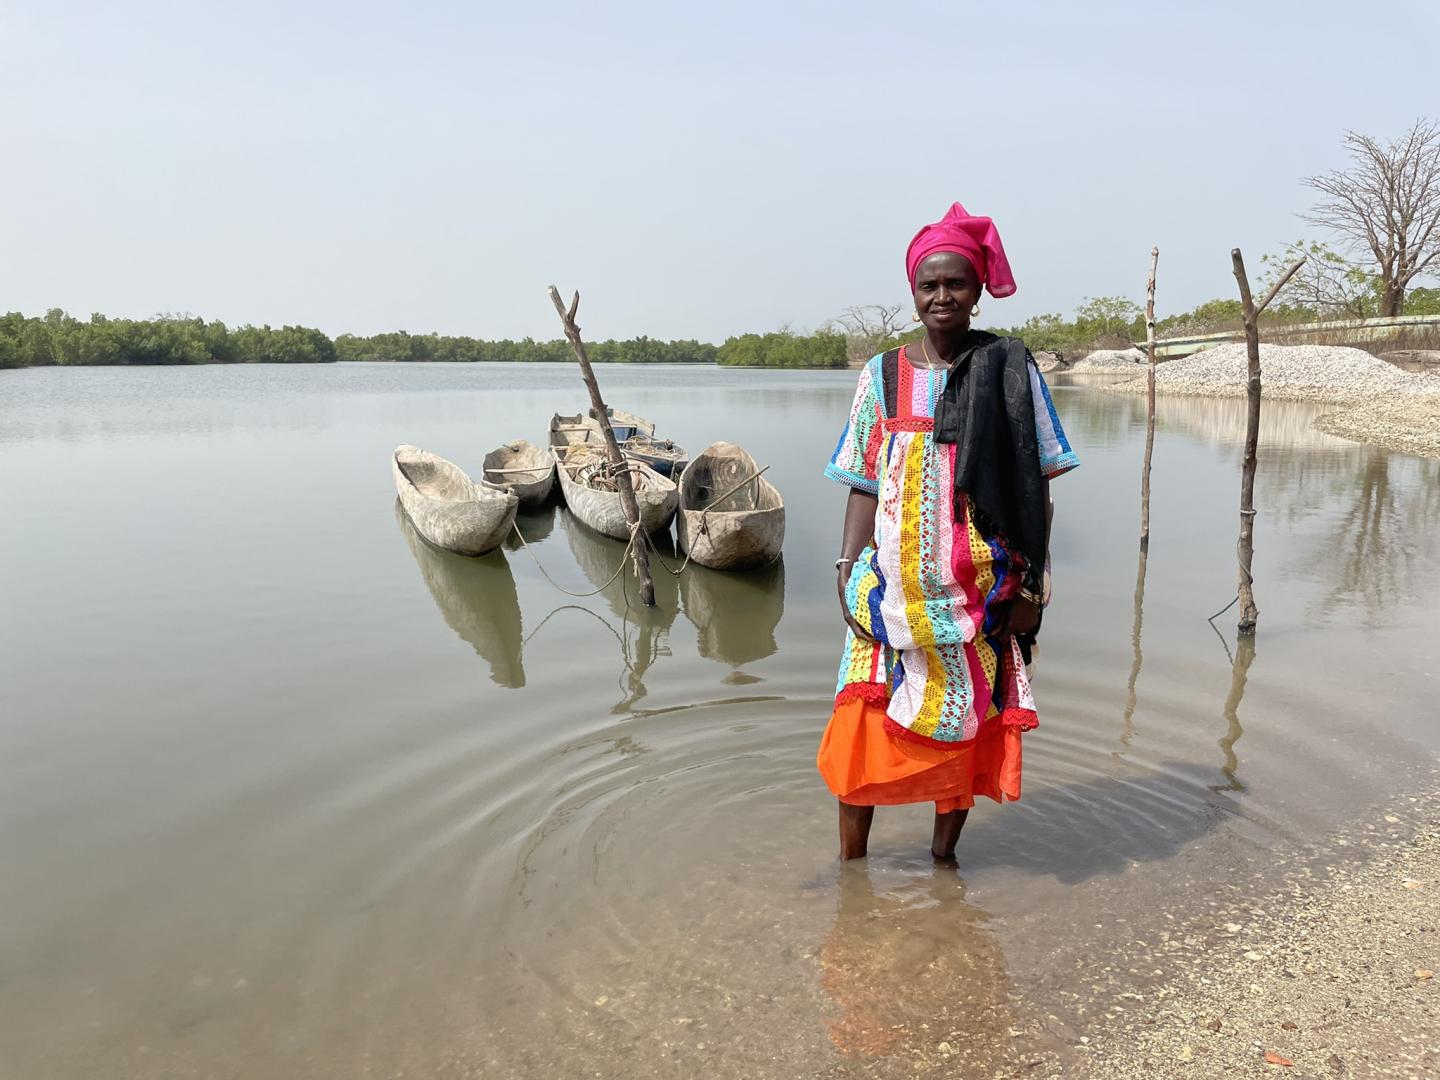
x: 629, y: 547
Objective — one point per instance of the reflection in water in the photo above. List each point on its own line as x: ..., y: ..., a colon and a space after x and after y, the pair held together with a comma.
x: 735, y: 614
x: 645, y: 630
x: 1389, y: 527
x: 911, y: 966
x: 477, y: 598
x: 534, y: 526
x: 1239, y: 674
x: 1128, y: 731
x: 1380, y: 509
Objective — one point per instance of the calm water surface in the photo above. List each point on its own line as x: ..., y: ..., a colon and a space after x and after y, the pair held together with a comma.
x: 288, y: 793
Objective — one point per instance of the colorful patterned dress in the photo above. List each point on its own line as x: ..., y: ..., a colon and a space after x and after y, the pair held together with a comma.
x: 933, y: 709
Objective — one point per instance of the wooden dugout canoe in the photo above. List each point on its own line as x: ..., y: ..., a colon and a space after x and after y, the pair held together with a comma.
x: 565, y: 430
x: 524, y: 470
x: 662, y: 455
x: 725, y: 526
x: 446, y: 507
x: 574, y: 430
x: 601, y: 510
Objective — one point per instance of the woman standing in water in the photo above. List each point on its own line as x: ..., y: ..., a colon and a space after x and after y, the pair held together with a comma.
x: 948, y: 454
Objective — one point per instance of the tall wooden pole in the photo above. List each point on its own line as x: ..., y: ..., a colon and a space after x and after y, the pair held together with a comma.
x: 612, y: 448
x: 1149, y: 402
x: 1245, y: 548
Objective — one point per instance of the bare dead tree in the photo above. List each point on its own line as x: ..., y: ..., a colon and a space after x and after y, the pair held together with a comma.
x: 1329, y: 283
x: 1387, y: 203
x: 612, y: 448
x: 868, y: 328
x: 1245, y: 547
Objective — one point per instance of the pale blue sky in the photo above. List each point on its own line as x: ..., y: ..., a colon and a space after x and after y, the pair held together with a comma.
x: 694, y: 171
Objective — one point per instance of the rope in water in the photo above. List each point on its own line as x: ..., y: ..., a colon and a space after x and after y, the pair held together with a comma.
x: 624, y: 558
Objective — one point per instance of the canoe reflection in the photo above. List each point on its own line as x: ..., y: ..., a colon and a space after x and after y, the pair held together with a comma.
x: 911, y: 965
x: 476, y: 597
x: 735, y: 614
x: 534, y: 525
x: 599, y: 557
x: 644, y: 631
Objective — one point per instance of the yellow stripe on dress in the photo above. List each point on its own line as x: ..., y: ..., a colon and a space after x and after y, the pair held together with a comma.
x: 984, y: 560
x: 922, y: 631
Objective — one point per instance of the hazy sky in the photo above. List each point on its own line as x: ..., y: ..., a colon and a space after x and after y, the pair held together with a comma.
x: 695, y: 171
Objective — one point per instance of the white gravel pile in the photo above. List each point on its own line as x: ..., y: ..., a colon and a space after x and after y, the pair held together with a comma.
x: 1111, y: 360
x: 1328, y: 373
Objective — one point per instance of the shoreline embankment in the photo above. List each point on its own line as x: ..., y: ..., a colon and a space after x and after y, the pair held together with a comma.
x: 1378, y: 403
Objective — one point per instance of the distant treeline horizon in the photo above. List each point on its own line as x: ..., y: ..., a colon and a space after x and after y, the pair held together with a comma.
x: 60, y: 339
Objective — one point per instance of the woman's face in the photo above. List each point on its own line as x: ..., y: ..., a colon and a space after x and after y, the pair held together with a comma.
x: 946, y: 288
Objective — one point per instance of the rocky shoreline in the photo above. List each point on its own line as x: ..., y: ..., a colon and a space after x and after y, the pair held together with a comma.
x: 1409, y: 425
x: 1383, y: 405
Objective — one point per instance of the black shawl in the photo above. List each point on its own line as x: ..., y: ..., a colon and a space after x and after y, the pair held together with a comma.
x: 987, y: 410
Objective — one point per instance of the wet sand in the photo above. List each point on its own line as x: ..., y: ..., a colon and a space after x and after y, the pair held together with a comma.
x: 1333, y: 973
x: 1409, y: 425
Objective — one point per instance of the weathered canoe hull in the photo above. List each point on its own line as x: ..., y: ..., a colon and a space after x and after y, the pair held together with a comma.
x: 447, y: 508
x: 603, y: 512
x: 722, y: 535
x: 731, y: 541
x: 531, y: 487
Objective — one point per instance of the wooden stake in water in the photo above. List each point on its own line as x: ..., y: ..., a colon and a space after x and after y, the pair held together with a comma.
x: 1245, y: 547
x: 1149, y: 403
x: 612, y: 448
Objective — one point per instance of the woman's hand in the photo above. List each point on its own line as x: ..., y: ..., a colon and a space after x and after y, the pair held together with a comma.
x: 859, y: 631
x: 858, y: 534
x: 1018, y: 616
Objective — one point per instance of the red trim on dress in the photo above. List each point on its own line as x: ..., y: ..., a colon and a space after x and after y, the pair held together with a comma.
x: 908, y: 423
x: 1024, y: 719
x: 874, y: 693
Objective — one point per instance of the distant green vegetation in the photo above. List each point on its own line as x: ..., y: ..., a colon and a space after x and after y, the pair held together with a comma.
x: 1115, y: 322
x: 784, y: 349
x: 420, y: 348
x: 1100, y: 322
x: 61, y: 339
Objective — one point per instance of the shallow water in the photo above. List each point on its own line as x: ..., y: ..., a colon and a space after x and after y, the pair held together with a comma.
x: 287, y: 792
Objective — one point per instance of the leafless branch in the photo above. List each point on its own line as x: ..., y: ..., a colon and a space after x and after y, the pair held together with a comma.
x: 1386, y: 204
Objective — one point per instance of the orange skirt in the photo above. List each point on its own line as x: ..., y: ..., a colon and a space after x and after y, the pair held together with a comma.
x: 864, y: 765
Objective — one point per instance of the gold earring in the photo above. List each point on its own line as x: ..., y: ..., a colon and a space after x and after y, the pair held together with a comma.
x: 974, y: 311
x: 914, y: 316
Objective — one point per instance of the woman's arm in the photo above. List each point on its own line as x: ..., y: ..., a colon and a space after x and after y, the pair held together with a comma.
x: 858, y: 531
x: 1021, y: 616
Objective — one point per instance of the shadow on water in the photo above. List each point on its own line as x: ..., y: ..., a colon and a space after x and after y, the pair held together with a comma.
x: 735, y: 614
x: 477, y: 599
x: 894, y: 958
x: 1101, y: 826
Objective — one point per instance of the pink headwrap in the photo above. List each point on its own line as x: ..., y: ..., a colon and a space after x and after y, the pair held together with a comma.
x: 973, y: 237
